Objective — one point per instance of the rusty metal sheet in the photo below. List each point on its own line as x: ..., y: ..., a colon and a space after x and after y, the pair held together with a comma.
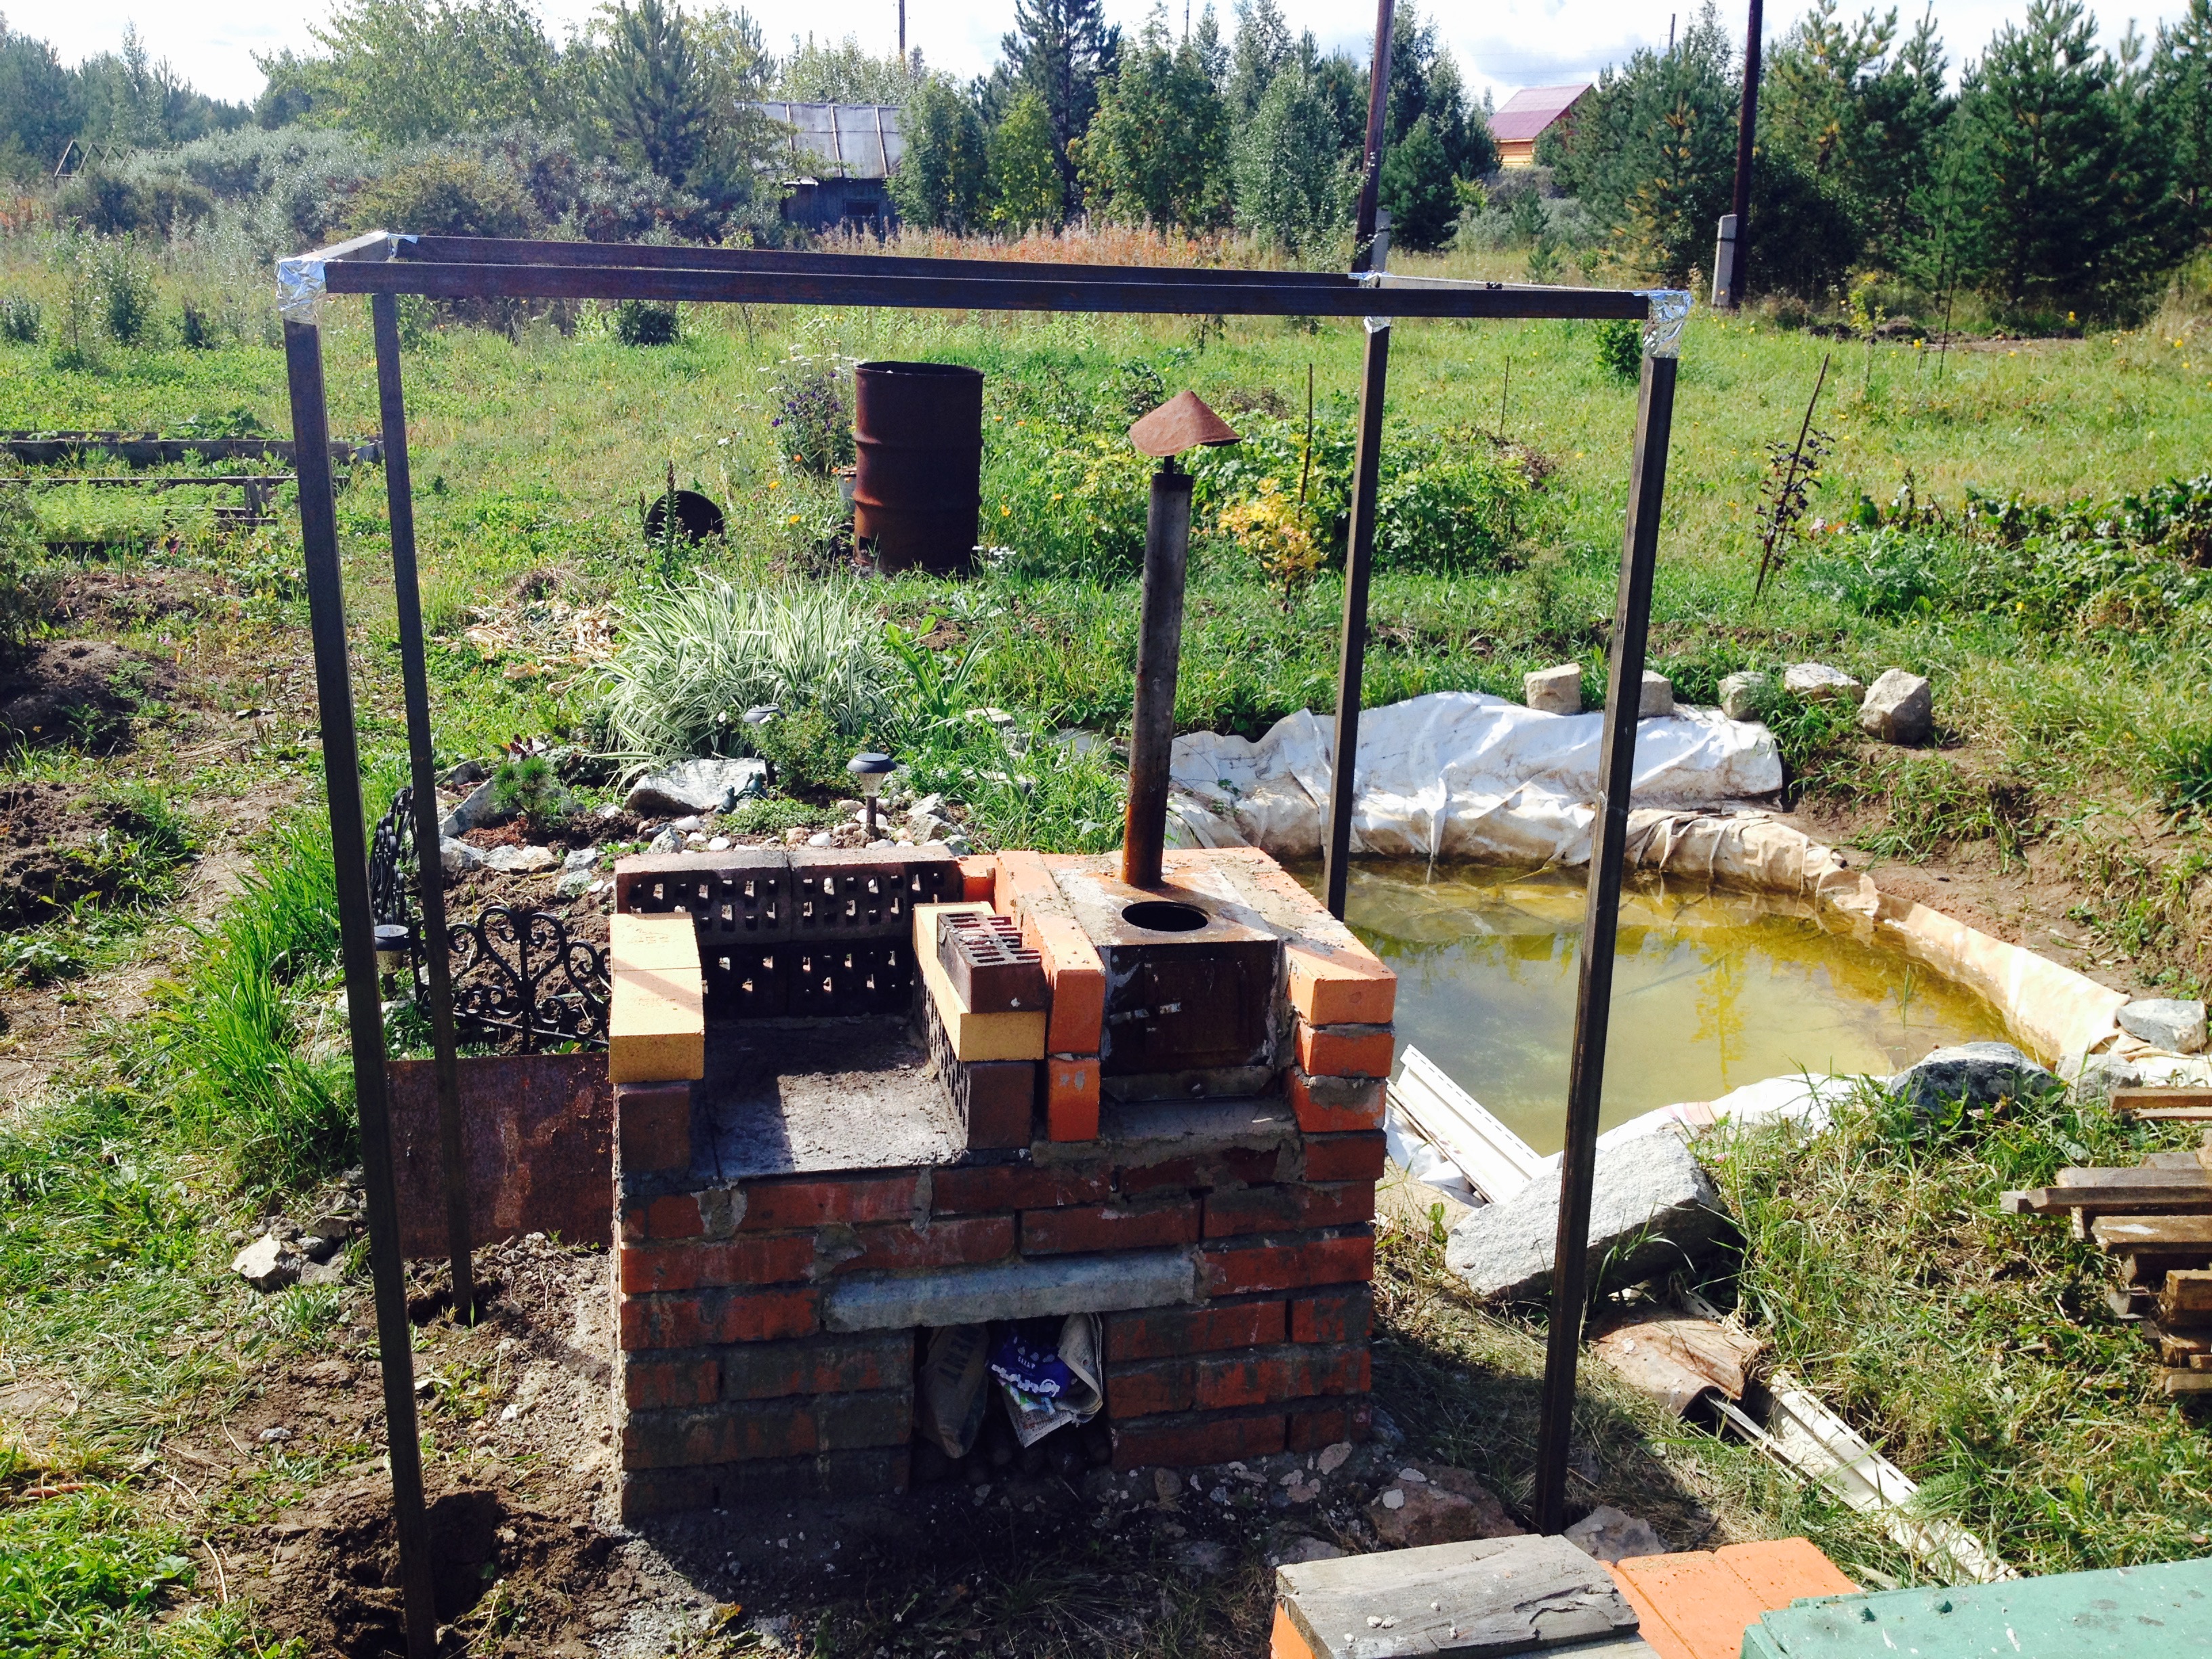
x: 538, y: 1132
x: 1182, y: 423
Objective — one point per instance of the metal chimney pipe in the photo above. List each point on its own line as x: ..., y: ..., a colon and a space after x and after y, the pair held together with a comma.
x: 1159, y: 651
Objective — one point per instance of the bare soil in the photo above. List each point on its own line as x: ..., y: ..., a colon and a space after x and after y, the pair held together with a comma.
x: 82, y: 692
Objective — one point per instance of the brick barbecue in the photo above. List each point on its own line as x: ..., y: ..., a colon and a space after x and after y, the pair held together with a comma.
x: 824, y: 1153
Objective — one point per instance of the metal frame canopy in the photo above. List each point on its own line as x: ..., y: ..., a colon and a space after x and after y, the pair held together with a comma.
x: 383, y: 265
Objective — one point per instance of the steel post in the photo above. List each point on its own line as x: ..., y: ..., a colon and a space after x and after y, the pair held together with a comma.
x: 1378, y: 108
x: 1631, y: 617
x: 319, y: 535
x: 1159, y: 651
x: 398, y: 490
x: 1747, y: 135
x: 1351, y: 660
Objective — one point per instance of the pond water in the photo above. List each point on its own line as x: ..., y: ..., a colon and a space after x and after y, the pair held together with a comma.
x: 1713, y: 988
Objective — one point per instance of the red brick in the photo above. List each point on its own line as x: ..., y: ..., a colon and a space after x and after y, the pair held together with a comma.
x: 817, y: 1365
x: 1177, y: 1174
x: 866, y: 1473
x: 1344, y: 1314
x: 979, y: 877
x: 1182, y: 1443
x: 674, y: 1216
x: 1071, y: 1097
x: 1267, y: 1376
x: 1346, y: 1050
x: 844, y: 1422
x: 1011, y: 1186
x: 649, y: 1384
x: 699, y: 1318
x: 814, y: 1203
x: 1108, y: 1227
x: 1293, y: 1207
x: 719, y: 1434
x: 948, y: 1243
x: 1277, y: 1264
x: 687, y: 1267
x: 1022, y: 876
x: 1345, y: 1158
x: 1332, y: 1105
x: 1339, y: 983
x: 1148, y: 1389
x: 1078, y: 980
x: 1256, y: 1166
x: 1325, y: 1422
x: 1162, y: 1333
x: 655, y: 1124
x: 633, y: 1224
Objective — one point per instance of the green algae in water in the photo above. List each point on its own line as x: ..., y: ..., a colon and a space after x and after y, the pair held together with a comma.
x: 1713, y: 988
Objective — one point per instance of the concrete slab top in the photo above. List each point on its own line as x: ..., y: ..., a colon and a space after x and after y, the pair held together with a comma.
x: 798, y: 1097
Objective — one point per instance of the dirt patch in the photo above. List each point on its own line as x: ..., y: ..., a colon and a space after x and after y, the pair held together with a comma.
x: 52, y: 853
x: 126, y: 601
x: 81, y: 692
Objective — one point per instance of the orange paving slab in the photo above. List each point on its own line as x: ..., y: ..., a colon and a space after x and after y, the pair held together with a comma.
x: 1698, y: 1604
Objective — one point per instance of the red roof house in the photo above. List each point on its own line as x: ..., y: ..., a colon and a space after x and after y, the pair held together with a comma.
x: 1528, y: 115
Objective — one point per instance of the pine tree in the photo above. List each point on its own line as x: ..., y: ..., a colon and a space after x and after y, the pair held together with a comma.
x: 1024, y: 179
x: 1424, y: 81
x: 1417, y: 188
x: 1652, y: 153
x: 651, y: 91
x: 1060, y: 49
x: 939, y: 181
x: 1158, y: 150
x: 1263, y: 49
x: 2065, y: 173
x: 1290, y: 179
x: 2181, y: 91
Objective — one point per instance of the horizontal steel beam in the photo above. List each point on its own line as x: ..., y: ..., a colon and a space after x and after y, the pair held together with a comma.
x: 1182, y: 293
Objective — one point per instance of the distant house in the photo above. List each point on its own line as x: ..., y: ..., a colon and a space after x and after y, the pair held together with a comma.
x: 841, y: 155
x: 1530, y: 113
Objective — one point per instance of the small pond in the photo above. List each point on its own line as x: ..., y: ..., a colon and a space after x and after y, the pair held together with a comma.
x: 1713, y: 988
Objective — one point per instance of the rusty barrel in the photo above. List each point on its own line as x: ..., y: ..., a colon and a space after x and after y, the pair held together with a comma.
x: 918, y: 490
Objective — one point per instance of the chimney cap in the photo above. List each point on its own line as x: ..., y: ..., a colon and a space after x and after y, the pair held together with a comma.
x: 1182, y: 423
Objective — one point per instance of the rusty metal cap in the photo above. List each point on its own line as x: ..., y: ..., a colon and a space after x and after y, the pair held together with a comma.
x: 1182, y: 423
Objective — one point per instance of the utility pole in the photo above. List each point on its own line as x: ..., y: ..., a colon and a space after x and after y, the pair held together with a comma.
x: 902, y: 32
x: 1728, y: 285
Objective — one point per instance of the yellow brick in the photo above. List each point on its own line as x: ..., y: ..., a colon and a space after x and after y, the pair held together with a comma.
x: 668, y: 941
x: 657, y: 1026
x: 974, y: 1037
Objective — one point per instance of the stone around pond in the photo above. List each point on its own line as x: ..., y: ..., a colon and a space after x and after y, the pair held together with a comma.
x: 2167, y: 1023
x: 1657, y: 700
x: 1435, y: 1504
x: 1899, y: 708
x: 1980, y: 1073
x: 709, y: 785
x: 1816, y: 682
x: 1740, y: 695
x: 1554, y: 691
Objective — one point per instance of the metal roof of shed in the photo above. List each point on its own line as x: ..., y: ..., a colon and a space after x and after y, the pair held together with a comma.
x: 1529, y: 111
x: 846, y: 141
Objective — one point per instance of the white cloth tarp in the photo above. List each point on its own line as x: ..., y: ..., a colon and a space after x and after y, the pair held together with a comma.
x: 1459, y: 775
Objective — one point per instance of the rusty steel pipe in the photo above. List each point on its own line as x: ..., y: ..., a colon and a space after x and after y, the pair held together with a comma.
x: 1159, y: 652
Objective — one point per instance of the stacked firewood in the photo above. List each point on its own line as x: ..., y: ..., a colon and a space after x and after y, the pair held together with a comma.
x: 2155, y: 1221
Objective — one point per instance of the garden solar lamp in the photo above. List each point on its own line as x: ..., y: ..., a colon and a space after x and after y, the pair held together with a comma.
x: 395, y: 943
x: 869, y: 769
x: 1183, y: 423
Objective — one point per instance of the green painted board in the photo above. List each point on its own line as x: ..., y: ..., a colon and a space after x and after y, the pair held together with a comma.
x: 2157, y: 1611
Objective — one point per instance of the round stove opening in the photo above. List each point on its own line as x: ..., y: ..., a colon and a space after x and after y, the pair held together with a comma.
x: 1164, y: 916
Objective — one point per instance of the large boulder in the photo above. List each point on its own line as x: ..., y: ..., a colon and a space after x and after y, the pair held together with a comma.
x: 2167, y: 1023
x: 1979, y: 1073
x: 1899, y: 708
x: 1652, y: 1208
x: 711, y: 784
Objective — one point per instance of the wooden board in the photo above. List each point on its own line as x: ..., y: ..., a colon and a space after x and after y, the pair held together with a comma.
x: 2167, y: 1105
x: 1495, y: 1595
x: 2153, y: 1233
x: 2176, y: 1380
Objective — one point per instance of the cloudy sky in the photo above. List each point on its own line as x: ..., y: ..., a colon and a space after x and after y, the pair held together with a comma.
x: 1501, y: 44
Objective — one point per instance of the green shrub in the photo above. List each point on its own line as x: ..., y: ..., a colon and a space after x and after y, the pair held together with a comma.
x: 19, y: 319
x: 1621, y: 348
x: 807, y: 751
x: 771, y: 816
x: 693, y: 659
x: 1459, y: 513
x: 126, y: 291
x: 443, y: 196
x: 643, y: 323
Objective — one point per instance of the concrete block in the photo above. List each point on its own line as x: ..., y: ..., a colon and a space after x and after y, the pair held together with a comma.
x: 1657, y: 700
x: 1899, y: 708
x: 1554, y: 691
x: 2165, y: 1023
x: 1740, y: 695
x: 1011, y: 1289
x: 1652, y: 1208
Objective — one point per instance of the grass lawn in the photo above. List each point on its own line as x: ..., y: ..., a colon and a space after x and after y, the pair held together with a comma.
x: 180, y: 1075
